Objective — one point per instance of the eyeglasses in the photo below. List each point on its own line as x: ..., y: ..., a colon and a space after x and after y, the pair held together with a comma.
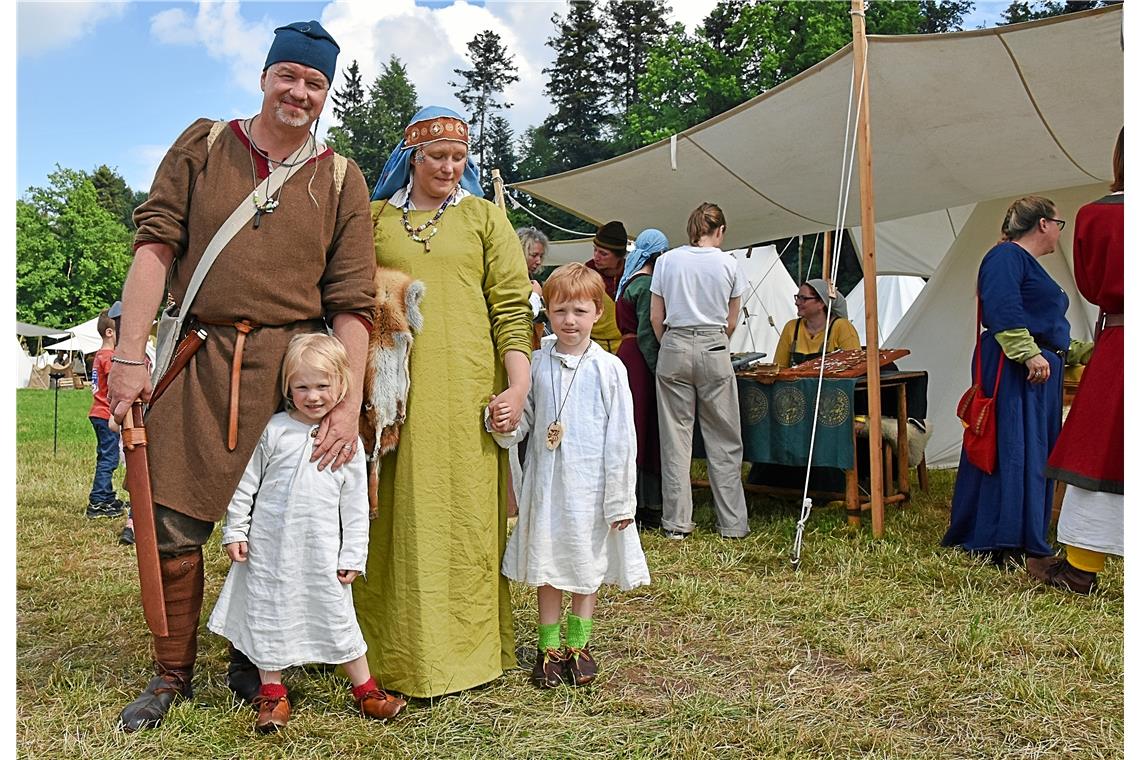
x: 800, y: 299
x: 1060, y: 222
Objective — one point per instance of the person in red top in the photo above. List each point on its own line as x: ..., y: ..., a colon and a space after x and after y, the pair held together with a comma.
x: 1089, y: 453
x: 102, y: 502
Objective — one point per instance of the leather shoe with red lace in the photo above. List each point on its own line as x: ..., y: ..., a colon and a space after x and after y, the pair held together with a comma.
x: 549, y: 669
x: 272, y: 713
x: 380, y: 705
x: 1057, y: 572
x: 148, y: 710
x: 581, y: 665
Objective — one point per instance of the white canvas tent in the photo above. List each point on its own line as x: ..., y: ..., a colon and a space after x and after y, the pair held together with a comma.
x: 84, y: 338
x: 895, y: 292
x: 767, y: 304
x: 24, y: 364
x: 976, y: 117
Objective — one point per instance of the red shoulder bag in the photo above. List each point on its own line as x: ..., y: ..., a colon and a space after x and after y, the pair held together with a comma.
x: 977, y: 412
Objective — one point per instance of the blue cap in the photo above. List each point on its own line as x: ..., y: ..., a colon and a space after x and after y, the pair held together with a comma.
x: 116, y: 310
x: 306, y: 43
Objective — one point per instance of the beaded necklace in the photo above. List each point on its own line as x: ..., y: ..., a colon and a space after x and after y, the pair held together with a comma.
x: 414, y: 232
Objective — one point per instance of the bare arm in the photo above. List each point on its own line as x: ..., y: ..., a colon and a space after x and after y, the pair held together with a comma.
x: 142, y: 295
x: 339, y: 432
x: 733, y: 315
x: 510, y: 402
x: 657, y: 315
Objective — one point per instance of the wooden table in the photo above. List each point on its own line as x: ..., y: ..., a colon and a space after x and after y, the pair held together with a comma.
x: 895, y: 491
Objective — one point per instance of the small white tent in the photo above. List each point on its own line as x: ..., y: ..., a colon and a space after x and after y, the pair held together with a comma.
x: 766, y: 305
x: 84, y: 338
x: 24, y: 364
x: 895, y: 294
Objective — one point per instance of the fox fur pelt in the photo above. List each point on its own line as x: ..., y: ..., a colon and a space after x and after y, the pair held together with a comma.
x: 386, y: 377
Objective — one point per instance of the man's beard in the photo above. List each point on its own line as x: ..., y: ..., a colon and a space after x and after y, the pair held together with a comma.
x: 283, y: 116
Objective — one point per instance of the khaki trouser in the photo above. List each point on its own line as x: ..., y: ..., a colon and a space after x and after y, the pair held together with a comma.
x: 694, y: 374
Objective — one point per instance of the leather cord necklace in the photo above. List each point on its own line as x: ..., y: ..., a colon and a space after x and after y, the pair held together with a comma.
x: 273, y: 199
x: 555, y: 431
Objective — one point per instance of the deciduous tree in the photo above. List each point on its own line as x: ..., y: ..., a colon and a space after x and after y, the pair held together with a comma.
x: 72, y: 254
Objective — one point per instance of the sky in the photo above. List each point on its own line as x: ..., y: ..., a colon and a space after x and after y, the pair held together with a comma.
x: 116, y: 82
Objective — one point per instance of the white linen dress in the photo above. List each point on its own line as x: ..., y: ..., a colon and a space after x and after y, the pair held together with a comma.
x: 284, y: 606
x: 570, y: 496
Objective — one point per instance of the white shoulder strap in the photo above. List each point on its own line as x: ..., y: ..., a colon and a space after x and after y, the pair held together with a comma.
x: 215, y: 130
x: 340, y: 166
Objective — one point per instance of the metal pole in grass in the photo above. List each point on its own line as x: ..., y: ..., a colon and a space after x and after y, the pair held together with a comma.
x: 55, y: 376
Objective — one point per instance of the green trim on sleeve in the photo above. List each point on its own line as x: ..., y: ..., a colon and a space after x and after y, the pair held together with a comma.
x: 1017, y: 344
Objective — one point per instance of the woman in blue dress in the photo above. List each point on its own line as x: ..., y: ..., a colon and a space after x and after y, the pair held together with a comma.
x: 1005, y: 515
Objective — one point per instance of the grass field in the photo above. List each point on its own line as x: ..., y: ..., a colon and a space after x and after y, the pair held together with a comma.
x: 894, y: 648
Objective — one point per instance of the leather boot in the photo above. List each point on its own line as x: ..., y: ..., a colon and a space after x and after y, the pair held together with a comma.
x: 148, y: 710
x: 1057, y: 572
x: 175, y: 653
x: 242, y: 676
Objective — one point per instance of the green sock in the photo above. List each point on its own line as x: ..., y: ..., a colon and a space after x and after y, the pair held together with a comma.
x: 578, y: 631
x: 549, y: 636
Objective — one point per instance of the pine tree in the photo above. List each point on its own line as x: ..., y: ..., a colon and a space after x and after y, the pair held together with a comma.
x: 500, y: 153
x: 113, y: 194
x: 349, y: 100
x: 577, y: 89
x: 632, y: 27
x: 372, y: 124
x: 492, y: 70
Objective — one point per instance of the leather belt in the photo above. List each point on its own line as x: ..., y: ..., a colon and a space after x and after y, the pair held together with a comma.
x: 1114, y: 320
x: 243, y: 327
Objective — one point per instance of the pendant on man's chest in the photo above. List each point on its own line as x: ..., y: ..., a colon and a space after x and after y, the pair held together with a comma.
x: 554, y: 435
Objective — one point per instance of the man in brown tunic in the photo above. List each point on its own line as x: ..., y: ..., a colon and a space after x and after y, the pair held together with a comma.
x: 305, y: 260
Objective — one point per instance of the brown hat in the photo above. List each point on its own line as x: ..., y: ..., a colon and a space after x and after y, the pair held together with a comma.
x: 612, y: 237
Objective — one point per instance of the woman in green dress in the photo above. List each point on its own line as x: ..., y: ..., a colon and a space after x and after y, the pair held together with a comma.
x: 433, y: 607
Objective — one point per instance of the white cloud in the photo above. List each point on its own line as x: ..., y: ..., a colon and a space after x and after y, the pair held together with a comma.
x: 224, y: 33
x: 142, y: 163
x: 42, y: 26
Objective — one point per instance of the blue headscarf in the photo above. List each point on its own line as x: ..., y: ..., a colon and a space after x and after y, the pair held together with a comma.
x: 649, y: 242
x: 397, y: 168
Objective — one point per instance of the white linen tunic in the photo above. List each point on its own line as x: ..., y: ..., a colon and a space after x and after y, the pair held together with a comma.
x: 570, y: 496
x: 284, y: 606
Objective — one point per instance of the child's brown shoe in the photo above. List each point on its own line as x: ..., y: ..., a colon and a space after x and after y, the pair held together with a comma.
x: 272, y: 713
x: 380, y: 705
x: 581, y: 665
x: 549, y: 669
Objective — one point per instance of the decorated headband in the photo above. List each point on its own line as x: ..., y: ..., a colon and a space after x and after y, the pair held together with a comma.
x: 438, y: 128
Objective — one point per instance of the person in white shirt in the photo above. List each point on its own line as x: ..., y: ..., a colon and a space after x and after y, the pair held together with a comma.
x: 695, y: 306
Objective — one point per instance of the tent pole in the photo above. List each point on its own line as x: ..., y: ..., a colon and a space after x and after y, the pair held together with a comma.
x: 497, y: 182
x: 867, y: 219
x: 827, y: 255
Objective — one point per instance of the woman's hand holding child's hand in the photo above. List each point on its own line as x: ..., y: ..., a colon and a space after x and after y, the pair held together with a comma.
x: 621, y: 524
x: 238, y: 551
x: 347, y: 576
x: 500, y: 415
x: 507, y: 405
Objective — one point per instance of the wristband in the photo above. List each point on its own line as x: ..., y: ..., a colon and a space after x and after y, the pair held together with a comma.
x: 131, y: 362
